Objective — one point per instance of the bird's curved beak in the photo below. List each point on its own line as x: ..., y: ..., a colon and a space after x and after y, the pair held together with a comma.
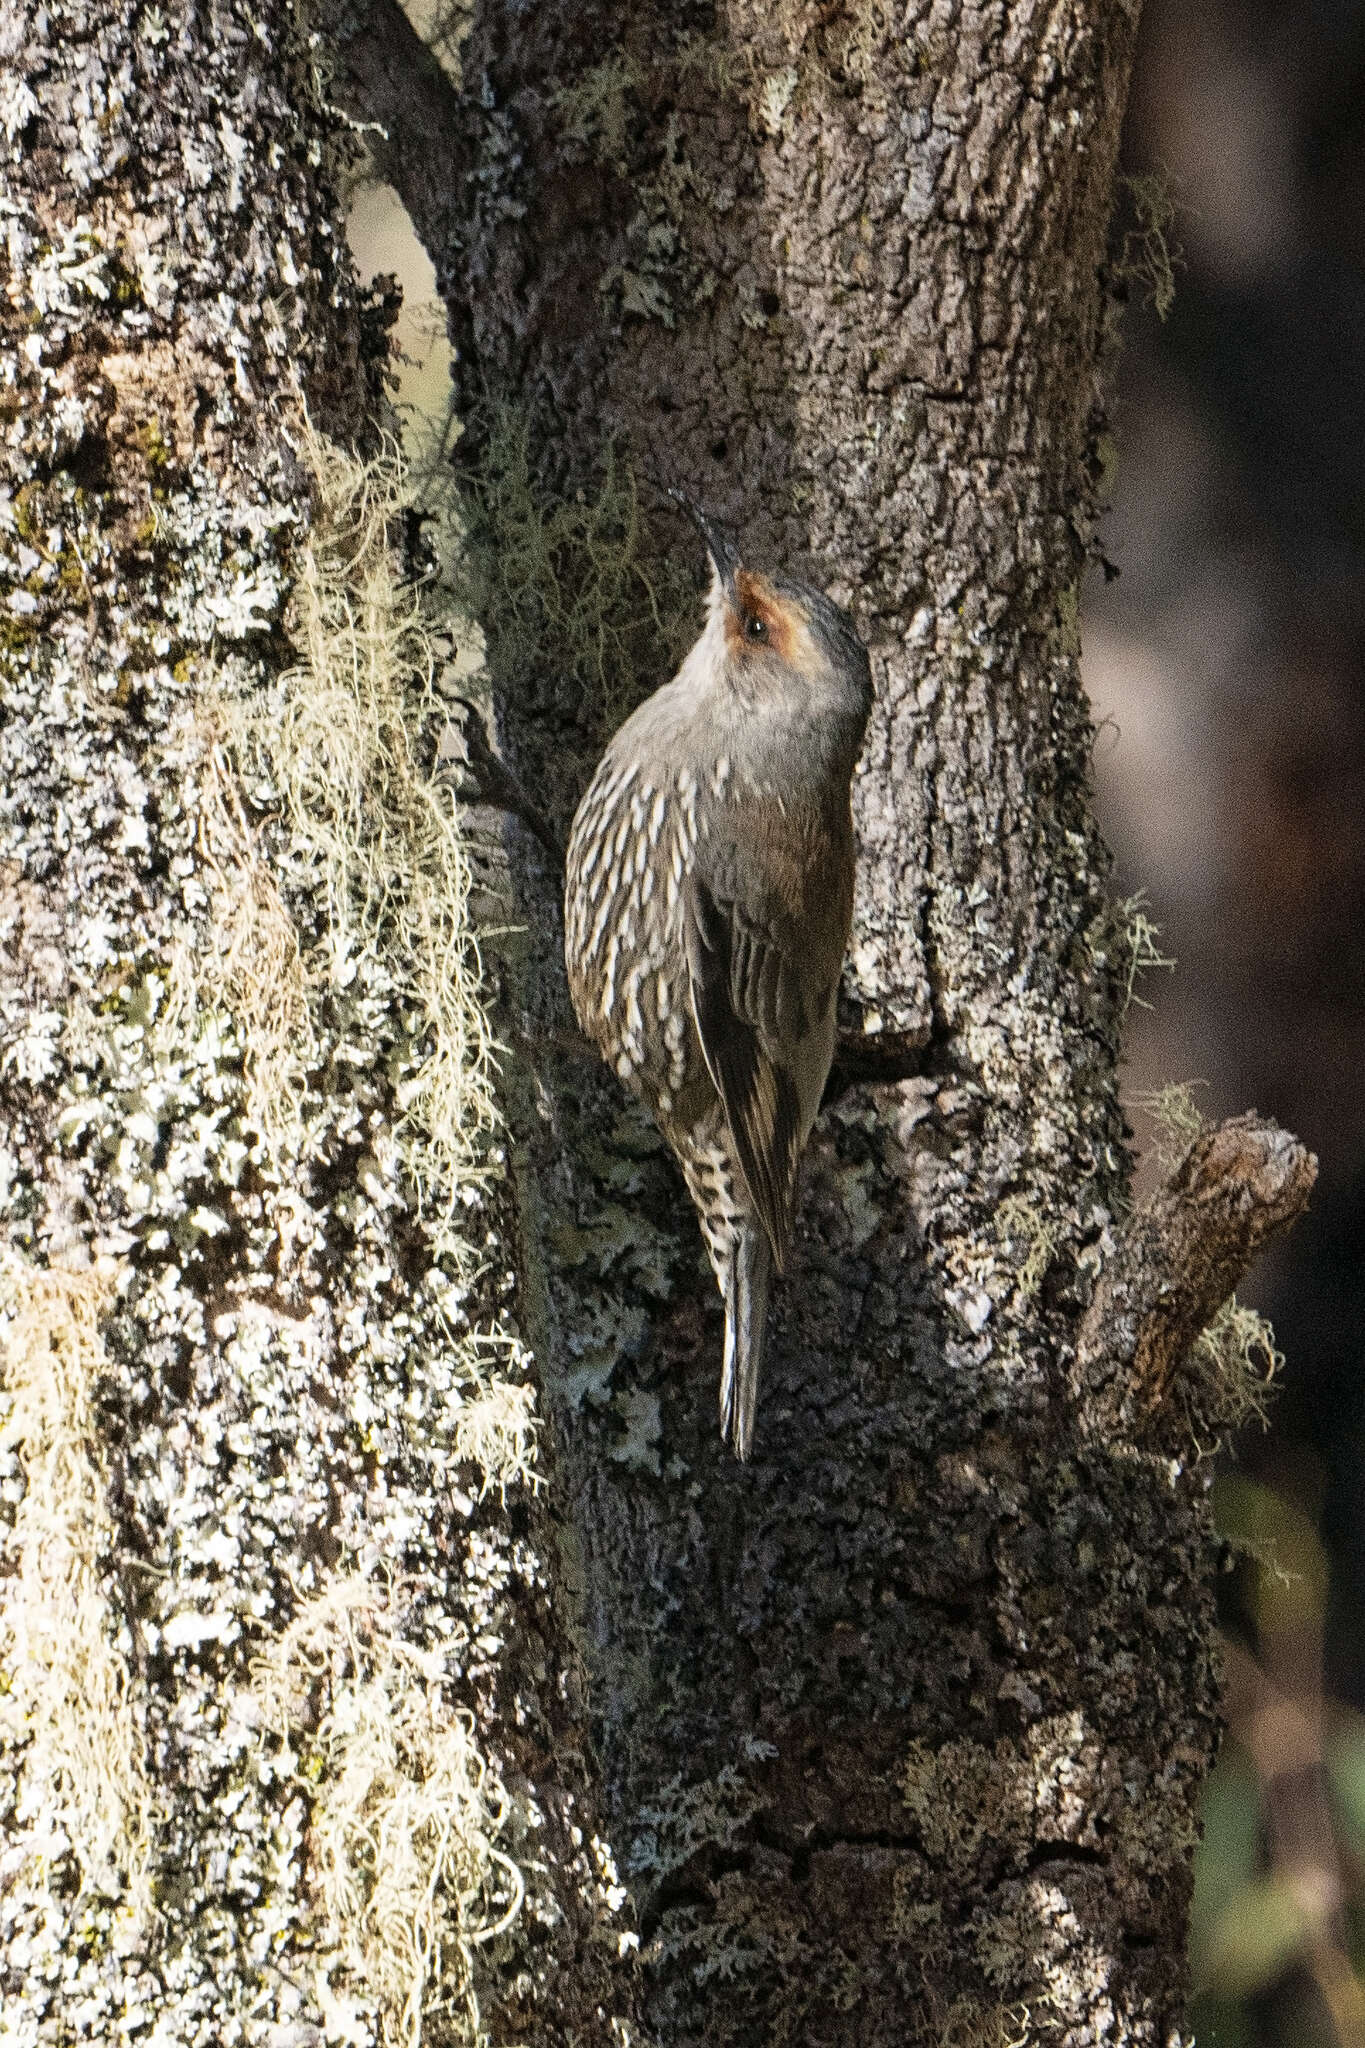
x: 719, y: 545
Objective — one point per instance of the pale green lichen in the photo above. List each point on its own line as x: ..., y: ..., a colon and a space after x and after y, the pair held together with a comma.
x: 1228, y: 1378
x: 1124, y: 938
x: 594, y: 109
x: 496, y: 1427
x: 774, y: 98
x: 68, y: 1696
x: 643, y: 288
x: 1149, y: 255
x: 1176, y: 1118
x: 570, y: 587
x: 596, y: 113
x: 974, y: 2023
x: 965, y: 1794
x: 338, y: 745
x: 682, y: 1819
x: 253, y: 966
x: 407, y: 1814
x: 1019, y: 1223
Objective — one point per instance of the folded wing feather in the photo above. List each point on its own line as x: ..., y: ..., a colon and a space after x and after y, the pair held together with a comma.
x: 745, y: 992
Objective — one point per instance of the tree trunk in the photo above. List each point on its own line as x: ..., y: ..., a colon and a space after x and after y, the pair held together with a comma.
x: 319, y: 1723
x: 289, y: 1727
x: 902, y: 1727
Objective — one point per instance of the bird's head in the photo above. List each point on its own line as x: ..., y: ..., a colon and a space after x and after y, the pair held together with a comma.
x: 775, y: 642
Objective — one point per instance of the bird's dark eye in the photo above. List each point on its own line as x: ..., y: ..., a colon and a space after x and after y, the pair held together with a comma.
x: 754, y: 627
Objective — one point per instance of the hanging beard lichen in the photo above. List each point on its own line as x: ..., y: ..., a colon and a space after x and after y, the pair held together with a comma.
x: 67, y: 1698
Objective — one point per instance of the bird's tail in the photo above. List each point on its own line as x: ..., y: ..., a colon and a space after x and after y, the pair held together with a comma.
x: 746, y: 1323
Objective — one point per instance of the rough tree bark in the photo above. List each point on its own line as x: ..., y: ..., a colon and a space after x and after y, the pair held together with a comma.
x: 283, y: 1697
x: 903, y: 1728
x: 898, y: 1731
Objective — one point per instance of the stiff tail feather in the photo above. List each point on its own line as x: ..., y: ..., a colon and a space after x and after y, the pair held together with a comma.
x: 746, y: 1323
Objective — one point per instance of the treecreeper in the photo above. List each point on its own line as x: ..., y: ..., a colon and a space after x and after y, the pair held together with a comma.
x: 708, y: 899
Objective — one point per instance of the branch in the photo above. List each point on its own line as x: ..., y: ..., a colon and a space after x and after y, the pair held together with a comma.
x: 388, y: 78
x: 1181, y: 1257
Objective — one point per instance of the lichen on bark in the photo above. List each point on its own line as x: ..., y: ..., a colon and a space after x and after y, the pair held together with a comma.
x: 898, y: 1731
x: 902, y: 1727
x: 244, y: 1132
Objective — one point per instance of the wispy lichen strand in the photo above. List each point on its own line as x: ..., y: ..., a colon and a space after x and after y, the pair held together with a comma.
x: 337, y: 744
x: 407, y: 1814
x: 68, y: 1694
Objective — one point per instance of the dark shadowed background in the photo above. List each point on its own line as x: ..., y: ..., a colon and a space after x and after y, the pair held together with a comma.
x: 1229, y: 655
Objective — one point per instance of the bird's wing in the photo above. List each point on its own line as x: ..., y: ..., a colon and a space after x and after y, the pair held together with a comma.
x: 746, y: 997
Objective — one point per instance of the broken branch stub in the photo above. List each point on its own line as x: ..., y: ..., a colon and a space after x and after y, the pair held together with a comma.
x: 1178, y: 1261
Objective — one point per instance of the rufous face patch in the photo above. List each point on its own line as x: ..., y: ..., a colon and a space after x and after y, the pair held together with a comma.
x: 763, y: 622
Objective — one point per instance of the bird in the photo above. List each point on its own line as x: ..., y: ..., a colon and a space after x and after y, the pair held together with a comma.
x: 707, y: 907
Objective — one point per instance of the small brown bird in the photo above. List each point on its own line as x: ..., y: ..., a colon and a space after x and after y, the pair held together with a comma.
x: 708, y: 899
